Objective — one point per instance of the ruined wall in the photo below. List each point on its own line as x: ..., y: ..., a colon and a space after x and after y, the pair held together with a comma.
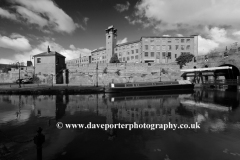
x: 121, y: 73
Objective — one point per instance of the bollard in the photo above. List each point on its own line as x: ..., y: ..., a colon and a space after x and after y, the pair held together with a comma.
x: 39, y: 139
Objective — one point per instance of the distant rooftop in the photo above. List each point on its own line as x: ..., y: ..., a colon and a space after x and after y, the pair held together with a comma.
x: 51, y: 53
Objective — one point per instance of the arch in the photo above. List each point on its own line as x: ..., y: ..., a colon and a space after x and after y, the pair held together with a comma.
x: 229, y: 74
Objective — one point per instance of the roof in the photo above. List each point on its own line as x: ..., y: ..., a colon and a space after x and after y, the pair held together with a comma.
x: 100, y: 49
x: 118, y: 45
x: 192, y: 36
x: 51, y: 53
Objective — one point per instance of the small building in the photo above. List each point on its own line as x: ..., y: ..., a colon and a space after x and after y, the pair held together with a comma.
x: 50, y: 63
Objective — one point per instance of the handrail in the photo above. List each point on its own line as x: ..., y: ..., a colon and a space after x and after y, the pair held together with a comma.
x: 222, y: 81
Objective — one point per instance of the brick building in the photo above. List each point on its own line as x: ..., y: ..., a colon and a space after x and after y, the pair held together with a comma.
x: 50, y: 63
x: 157, y: 49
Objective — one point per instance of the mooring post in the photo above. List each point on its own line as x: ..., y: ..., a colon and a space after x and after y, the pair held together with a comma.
x: 39, y: 139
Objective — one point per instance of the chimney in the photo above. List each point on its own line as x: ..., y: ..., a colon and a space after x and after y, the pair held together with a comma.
x: 48, y: 50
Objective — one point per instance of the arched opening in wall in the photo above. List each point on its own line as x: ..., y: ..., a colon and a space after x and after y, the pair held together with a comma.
x: 228, y: 73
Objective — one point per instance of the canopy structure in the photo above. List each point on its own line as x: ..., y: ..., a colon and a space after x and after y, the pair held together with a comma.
x: 198, y: 73
x: 205, y: 69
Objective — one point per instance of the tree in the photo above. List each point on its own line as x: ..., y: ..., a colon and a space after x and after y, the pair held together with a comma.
x: 114, y: 59
x: 184, y: 58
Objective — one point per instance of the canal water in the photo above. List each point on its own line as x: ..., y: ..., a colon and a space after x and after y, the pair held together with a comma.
x: 216, y: 112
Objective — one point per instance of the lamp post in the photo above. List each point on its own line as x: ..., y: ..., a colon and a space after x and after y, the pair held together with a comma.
x: 19, y: 81
x: 52, y: 80
x: 160, y: 74
x: 97, y: 75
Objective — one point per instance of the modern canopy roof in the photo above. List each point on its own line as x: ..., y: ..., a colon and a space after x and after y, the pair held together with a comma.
x: 205, y: 69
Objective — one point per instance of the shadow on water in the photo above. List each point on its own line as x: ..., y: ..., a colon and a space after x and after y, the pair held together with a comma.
x: 217, y: 113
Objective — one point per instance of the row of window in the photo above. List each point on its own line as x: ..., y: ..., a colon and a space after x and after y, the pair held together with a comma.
x: 123, y: 59
x: 168, y: 40
x: 77, y: 61
x: 168, y: 47
x: 128, y: 53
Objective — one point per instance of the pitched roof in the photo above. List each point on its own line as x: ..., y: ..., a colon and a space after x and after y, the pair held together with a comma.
x: 51, y: 53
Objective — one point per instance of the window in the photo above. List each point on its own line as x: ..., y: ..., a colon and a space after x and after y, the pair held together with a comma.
x: 136, y: 50
x: 182, y: 40
x: 120, y: 54
x: 151, y: 40
x: 163, y: 55
x: 132, y: 51
x: 169, y: 55
x: 152, y: 54
x: 128, y: 53
x: 132, y: 45
x: 146, y: 54
x: 163, y: 40
x: 146, y: 40
x: 132, y: 57
x: 136, y: 57
x: 169, y: 47
x: 120, y: 59
x: 38, y: 60
x: 151, y: 47
x: 188, y: 40
x: 177, y: 46
x: 169, y: 40
x: 188, y: 47
x: 157, y: 39
x: 123, y: 58
x: 182, y: 47
x: 146, y: 47
x: 128, y: 58
x: 175, y: 55
x: 158, y: 47
x: 163, y: 47
x: 158, y: 55
x: 177, y: 40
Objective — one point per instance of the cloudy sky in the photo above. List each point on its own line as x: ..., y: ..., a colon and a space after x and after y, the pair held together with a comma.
x: 76, y: 27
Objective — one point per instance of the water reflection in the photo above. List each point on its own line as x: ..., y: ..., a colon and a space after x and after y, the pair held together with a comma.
x: 217, y: 112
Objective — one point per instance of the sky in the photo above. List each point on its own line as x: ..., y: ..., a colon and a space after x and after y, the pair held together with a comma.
x: 75, y: 27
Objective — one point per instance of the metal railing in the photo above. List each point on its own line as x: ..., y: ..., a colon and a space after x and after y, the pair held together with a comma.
x: 223, y: 82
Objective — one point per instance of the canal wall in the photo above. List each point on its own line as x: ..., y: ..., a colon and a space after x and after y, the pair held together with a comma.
x: 12, y: 75
x: 121, y: 73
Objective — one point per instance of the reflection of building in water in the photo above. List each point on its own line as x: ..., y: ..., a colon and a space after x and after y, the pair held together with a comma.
x: 161, y: 110
x: 138, y: 109
x: 61, y: 105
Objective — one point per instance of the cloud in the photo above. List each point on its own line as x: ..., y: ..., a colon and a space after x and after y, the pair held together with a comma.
x: 205, y: 46
x: 6, y: 14
x: 43, y: 13
x: 122, y: 7
x: 124, y: 40
x: 85, y: 20
x: 72, y: 46
x: 15, y: 41
x: 215, y: 21
x: 217, y: 38
x: 6, y: 61
x: 189, y: 12
x: 71, y: 53
x: 31, y: 17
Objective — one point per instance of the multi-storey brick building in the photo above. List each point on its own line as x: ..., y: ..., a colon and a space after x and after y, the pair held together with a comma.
x: 148, y: 49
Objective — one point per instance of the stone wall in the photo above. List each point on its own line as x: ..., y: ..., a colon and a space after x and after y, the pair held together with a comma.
x: 13, y: 75
x: 121, y: 73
